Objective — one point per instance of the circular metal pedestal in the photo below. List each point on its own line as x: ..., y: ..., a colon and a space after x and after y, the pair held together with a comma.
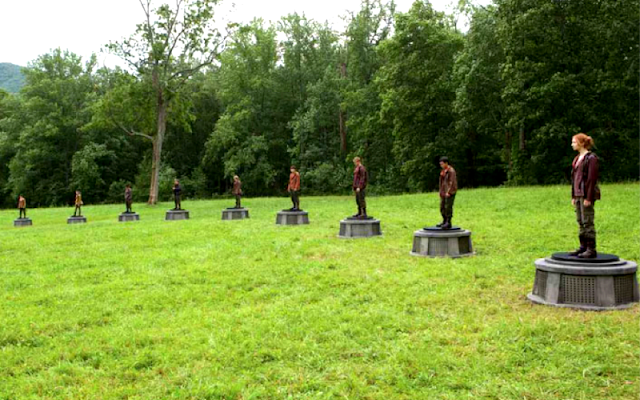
x: 292, y: 218
x: 176, y: 215
x: 436, y: 242
x: 76, y: 220
x: 126, y: 217
x: 22, y: 222
x: 235, y: 213
x: 602, y: 283
x: 359, y: 228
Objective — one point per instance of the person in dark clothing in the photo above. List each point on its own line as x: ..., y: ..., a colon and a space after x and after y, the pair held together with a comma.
x: 237, y: 190
x: 177, y: 190
x: 77, y: 212
x: 128, y: 198
x: 584, y: 193
x: 360, y: 180
x: 448, y: 190
x: 294, y: 188
x: 22, y: 206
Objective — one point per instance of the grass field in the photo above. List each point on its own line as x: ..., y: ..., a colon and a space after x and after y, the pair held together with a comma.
x: 211, y: 309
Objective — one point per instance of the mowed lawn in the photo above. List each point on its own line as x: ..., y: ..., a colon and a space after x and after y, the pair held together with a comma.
x: 212, y: 309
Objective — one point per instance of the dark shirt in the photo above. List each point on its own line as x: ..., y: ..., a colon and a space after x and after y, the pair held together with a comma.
x: 360, y: 177
x: 177, y: 190
x: 584, y: 178
x: 128, y: 197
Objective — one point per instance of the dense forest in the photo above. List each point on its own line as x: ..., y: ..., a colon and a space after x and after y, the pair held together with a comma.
x: 501, y: 100
x: 11, y: 79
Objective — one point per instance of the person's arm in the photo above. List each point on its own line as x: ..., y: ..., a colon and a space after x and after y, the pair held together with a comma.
x: 453, y: 182
x: 592, y: 180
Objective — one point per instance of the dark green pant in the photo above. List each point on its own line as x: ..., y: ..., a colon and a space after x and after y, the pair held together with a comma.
x: 23, y: 211
x: 585, y: 217
x: 361, y: 201
x: 446, y: 206
x: 238, y: 198
x: 295, y: 198
x: 77, y: 211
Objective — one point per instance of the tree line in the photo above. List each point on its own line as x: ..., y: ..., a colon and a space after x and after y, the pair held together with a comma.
x: 501, y: 100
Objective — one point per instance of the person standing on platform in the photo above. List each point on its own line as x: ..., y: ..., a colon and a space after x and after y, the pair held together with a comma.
x: 22, y: 206
x: 294, y: 188
x: 128, y: 198
x: 237, y: 190
x: 448, y: 189
x: 360, y: 180
x: 584, y: 193
x: 78, y: 203
x: 177, y: 190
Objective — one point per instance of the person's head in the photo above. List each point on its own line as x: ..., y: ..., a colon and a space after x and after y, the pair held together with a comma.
x: 128, y: 186
x: 581, y: 141
x: 293, y: 168
x: 357, y: 161
x: 176, y: 181
x: 444, y: 162
x: 236, y: 178
x: 77, y: 192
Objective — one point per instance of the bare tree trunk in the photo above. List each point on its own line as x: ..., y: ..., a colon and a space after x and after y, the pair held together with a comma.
x: 157, y: 154
x: 343, y: 118
x: 507, y: 149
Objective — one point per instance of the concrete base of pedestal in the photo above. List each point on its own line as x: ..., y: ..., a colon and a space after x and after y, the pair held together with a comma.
x: 603, y: 283
x: 436, y: 242
x: 77, y: 220
x: 176, y: 215
x: 292, y: 218
x: 22, y: 222
x: 235, y: 213
x: 351, y: 228
x: 126, y: 217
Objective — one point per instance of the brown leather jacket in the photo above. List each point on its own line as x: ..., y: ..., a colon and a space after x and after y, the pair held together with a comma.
x: 22, y: 202
x: 237, y: 188
x: 584, y: 178
x: 360, y: 177
x: 448, y: 181
x: 128, y: 196
x: 294, y: 182
x: 79, y: 200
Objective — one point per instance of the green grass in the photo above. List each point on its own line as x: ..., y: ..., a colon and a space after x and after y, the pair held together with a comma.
x: 212, y: 309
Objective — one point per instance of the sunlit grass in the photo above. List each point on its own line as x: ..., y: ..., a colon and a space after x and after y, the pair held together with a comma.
x: 212, y: 309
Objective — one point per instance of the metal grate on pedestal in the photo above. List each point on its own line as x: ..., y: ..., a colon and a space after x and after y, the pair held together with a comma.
x: 464, y: 245
x: 577, y: 289
x: 540, y: 284
x: 623, y: 287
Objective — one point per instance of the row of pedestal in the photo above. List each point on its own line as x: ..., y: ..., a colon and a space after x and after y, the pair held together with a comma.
x: 602, y: 283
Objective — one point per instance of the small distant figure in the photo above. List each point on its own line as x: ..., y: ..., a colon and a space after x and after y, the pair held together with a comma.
x: 177, y: 190
x: 448, y: 189
x: 237, y: 190
x: 360, y: 180
x: 77, y: 212
x: 294, y: 188
x: 128, y: 198
x: 22, y: 206
x: 584, y: 193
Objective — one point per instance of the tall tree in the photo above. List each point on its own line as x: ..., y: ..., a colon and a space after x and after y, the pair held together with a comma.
x: 171, y: 45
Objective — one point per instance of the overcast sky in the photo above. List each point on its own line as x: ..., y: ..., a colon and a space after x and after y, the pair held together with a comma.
x: 29, y: 28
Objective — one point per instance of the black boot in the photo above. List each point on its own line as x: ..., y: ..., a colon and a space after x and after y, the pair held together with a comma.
x: 358, y: 214
x: 447, y: 224
x: 581, y: 249
x: 591, y: 250
x: 364, y: 214
x: 444, y: 220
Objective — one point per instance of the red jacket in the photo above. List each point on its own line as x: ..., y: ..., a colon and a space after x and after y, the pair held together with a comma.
x: 294, y: 181
x: 448, y: 181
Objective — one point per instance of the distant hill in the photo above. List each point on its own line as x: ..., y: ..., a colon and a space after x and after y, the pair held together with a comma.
x: 11, y: 79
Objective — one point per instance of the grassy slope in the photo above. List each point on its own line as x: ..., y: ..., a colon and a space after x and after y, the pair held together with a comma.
x: 245, y: 309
